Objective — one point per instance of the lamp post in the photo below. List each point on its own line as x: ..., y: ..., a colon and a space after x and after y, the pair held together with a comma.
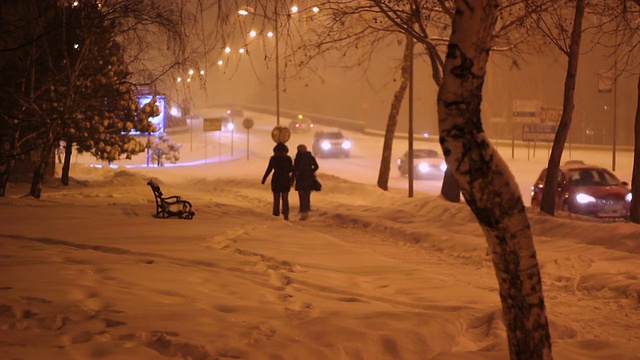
x: 275, y: 33
x: 186, y: 80
x: 249, y: 10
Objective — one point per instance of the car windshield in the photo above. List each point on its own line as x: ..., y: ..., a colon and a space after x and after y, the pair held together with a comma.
x: 593, y: 177
x: 424, y: 153
x: 331, y: 135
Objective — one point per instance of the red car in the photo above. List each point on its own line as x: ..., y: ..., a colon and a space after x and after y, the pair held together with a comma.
x: 587, y: 190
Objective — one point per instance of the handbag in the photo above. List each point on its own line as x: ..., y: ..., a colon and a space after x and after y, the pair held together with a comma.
x: 317, y: 186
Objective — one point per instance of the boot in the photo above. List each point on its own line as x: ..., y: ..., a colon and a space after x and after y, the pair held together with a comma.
x: 304, y: 216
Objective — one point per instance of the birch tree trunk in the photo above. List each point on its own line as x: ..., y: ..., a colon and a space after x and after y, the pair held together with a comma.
x: 487, y: 184
x: 392, y: 121
x: 548, y: 203
x: 41, y: 169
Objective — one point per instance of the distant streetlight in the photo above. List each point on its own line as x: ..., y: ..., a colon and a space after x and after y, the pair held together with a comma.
x: 189, y: 76
x: 249, y: 10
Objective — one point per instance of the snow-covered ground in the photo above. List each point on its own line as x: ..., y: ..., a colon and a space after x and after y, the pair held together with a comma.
x: 88, y: 273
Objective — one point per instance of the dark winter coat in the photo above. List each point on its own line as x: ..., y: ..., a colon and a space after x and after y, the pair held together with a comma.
x: 282, y: 167
x: 304, y: 169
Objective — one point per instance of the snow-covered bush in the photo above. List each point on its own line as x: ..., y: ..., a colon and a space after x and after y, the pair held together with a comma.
x: 164, y: 150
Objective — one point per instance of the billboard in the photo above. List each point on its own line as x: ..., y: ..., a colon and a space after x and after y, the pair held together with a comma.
x: 539, y: 132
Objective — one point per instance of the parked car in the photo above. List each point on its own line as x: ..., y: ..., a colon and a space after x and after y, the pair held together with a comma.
x: 427, y: 163
x: 331, y: 144
x: 301, y: 123
x: 587, y: 190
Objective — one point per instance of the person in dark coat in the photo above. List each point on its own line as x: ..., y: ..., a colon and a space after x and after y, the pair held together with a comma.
x: 304, y: 172
x: 282, y: 166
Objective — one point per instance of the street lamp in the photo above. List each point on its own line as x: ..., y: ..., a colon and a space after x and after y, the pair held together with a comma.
x: 189, y: 76
x: 249, y: 10
x: 186, y: 103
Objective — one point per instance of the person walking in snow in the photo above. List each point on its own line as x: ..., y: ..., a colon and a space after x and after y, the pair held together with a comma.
x: 304, y: 172
x: 282, y: 166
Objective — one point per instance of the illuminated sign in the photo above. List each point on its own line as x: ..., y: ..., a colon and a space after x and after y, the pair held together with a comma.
x: 160, y: 120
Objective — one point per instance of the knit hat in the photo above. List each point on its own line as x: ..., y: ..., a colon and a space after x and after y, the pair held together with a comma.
x: 302, y: 147
x: 280, y: 147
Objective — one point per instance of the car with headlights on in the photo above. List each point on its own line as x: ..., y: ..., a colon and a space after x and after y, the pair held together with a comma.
x: 427, y: 163
x: 588, y: 190
x: 232, y: 117
x: 301, y: 123
x: 331, y: 144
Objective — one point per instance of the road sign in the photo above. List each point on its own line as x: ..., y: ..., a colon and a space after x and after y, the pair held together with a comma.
x: 526, y: 111
x: 212, y: 124
x: 247, y: 123
x: 280, y: 134
x: 539, y: 132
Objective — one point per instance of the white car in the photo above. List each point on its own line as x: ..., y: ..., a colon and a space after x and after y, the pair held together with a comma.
x: 331, y: 144
x: 427, y: 163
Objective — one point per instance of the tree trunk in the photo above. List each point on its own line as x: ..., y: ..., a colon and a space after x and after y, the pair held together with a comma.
x: 68, y: 151
x: 392, y: 120
x: 450, y: 189
x: 8, y: 154
x: 487, y: 184
x: 548, y: 203
x: 41, y: 169
x: 635, y: 180
x: 5, y: 174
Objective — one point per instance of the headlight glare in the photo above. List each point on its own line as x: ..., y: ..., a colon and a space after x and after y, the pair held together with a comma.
x: 584, y: 198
